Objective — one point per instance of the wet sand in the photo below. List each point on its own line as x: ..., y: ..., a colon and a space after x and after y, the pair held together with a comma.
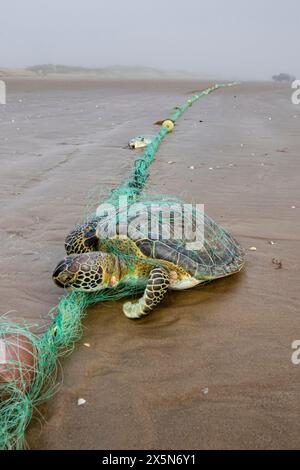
x: 211, y: 367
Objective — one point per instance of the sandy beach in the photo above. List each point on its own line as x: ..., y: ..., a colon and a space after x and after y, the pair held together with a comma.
x: 211, y: 367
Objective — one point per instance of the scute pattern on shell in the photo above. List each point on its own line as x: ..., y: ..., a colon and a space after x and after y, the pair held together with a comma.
x: 219, y: 256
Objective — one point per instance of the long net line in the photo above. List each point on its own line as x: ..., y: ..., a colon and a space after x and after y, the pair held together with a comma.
x: 28, y: 361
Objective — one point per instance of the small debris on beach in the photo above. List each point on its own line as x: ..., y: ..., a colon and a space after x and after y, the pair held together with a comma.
x: 192, y: 167
x: 285, y: 150
x: 211, y: 168
x: 271, y: 242
x: 293, y: 207
x: 171, y: 162
x: 81, y: 401
x: 253, y: 248
x: 87, y: 345
x: 277, y: 263
x: 205, y: 391
x: 140, y: 141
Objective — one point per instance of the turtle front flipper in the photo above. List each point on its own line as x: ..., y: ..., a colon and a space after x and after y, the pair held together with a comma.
x: 155, y: 291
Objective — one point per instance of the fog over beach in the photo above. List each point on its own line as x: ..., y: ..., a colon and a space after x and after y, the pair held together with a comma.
x: 232, y: 39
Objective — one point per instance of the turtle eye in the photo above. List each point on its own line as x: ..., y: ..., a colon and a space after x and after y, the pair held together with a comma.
x: 90, y: 238
x: 90, y: 233
x: 63, y: 277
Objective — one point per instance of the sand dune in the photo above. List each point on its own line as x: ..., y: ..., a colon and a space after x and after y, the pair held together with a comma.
x: 116, y: 72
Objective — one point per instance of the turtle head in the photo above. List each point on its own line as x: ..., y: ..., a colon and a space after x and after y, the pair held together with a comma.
x: 82, y: 239
x: 88, y: 272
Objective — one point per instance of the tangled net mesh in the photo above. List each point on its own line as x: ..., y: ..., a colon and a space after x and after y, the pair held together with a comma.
x: 28, y: 361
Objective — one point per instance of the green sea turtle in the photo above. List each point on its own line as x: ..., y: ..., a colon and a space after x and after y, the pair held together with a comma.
x: 100, y: 257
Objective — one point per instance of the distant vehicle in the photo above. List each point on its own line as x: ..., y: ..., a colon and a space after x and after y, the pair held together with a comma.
x: 284, y: 77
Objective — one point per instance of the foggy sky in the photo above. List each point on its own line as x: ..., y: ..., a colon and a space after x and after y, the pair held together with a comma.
x: 213, y: 38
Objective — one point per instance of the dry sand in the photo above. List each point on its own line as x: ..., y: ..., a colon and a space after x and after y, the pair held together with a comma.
x: 211, y: 368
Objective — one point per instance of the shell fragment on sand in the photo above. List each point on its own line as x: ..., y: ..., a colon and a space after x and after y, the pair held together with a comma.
x: 81, y: 401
